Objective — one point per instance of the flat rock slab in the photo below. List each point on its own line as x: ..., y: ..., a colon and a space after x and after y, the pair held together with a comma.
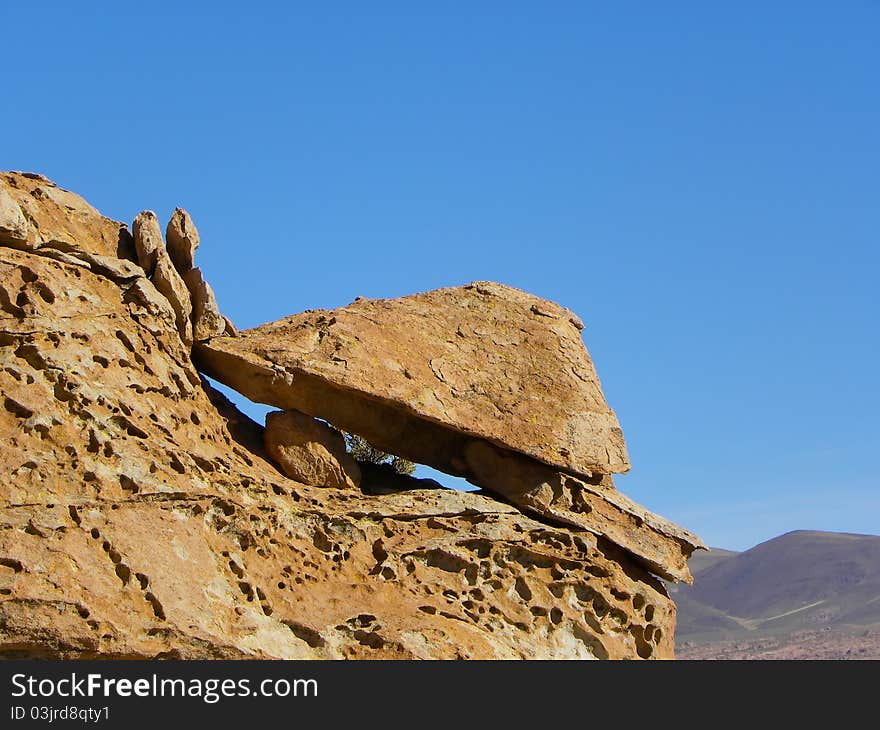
x: 422, y: 375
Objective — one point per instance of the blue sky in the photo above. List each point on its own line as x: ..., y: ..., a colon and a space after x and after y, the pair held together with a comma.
x: 698, y: 181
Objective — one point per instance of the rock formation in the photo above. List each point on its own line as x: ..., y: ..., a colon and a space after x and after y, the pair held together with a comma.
x: 483, y: 360
x: 207, y: 319
x: 142, y: 515
x: 167, y: 280
x: 483, y: 381
x: 182, y: 239
x: 13, y: 225
x: 591, y: 504
x: 148, y: 243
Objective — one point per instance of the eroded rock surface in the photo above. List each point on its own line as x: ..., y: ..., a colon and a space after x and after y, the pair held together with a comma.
x: 593, y: 505
x: 140, y: 515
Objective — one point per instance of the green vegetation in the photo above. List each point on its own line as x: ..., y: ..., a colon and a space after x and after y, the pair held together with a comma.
x: 363, y: 450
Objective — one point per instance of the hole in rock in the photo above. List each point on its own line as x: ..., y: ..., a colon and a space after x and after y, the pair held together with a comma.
x: 251, y: 438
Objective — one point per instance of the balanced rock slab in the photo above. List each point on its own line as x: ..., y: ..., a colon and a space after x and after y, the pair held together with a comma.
x: 422, y: 375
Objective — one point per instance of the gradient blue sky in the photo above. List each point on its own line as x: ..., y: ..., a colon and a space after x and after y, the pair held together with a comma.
x: 699, y: 181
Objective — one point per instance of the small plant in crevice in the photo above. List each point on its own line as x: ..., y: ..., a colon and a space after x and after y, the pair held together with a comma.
x: 363, y: 450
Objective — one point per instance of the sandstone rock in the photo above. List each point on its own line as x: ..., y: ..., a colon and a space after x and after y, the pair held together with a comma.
x: 120, y: 271
x: 142, y: 296
x: 147, y: 240
x: 421, y: 375
x: 405, y: 375
x: 207, y: 320
x: 309, y: 451
x: 182, y: 239
x: 63, y: 220
x: 13, y: 224
x: 156, y: 262
x: 75, y: 258
x: 171, y: 285
x: 662, y: 546
x: 140, y: 517
x: 230, y: 330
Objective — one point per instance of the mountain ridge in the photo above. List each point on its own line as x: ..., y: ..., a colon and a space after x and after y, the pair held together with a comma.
x: 803, y: 581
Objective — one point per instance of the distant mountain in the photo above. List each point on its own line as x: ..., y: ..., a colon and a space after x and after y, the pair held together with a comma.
x: 705, y: 559
x: 781, y: 592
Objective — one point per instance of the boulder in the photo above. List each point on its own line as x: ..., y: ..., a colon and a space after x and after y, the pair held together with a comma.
x: 207, y: 320
x: 310, y: 451
x: 421, y: 375
x: 147, y: 240
x: 182, y: 239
